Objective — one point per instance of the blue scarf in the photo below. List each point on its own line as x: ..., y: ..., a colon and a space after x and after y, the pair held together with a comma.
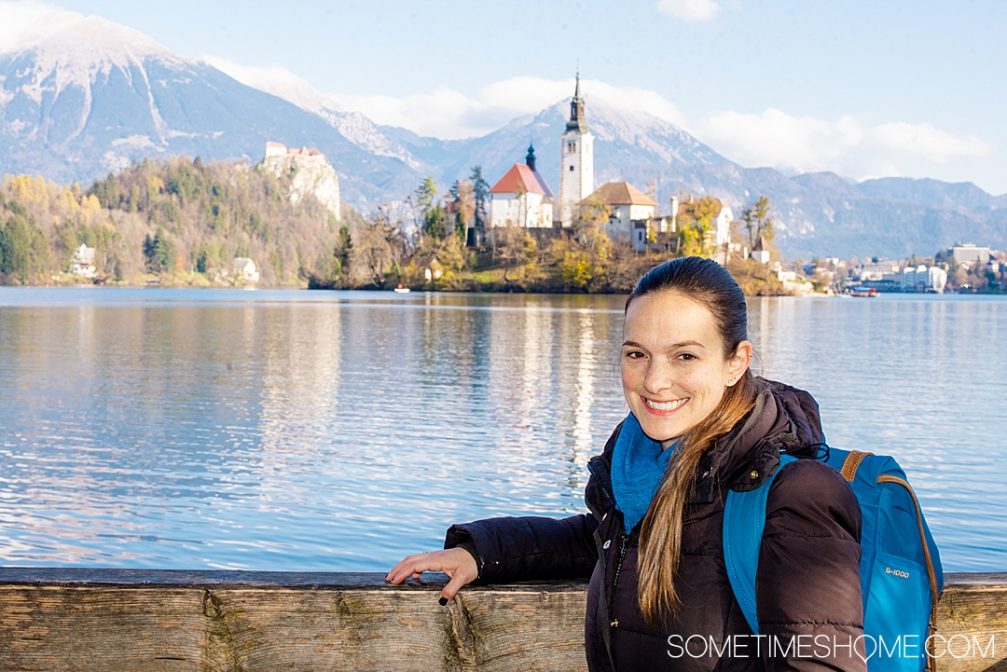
x: 638, y: 465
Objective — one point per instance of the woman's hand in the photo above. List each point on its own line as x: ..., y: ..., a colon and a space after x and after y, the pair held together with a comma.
x: 455, y: 562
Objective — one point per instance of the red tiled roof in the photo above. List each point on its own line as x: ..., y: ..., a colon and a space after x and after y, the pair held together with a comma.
x: 622, y: 193
x: 520, y: 178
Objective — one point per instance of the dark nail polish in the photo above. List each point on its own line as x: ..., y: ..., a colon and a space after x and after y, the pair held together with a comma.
x: 443, y: 601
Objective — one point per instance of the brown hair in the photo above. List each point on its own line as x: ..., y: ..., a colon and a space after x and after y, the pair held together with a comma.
x: 708, y: 283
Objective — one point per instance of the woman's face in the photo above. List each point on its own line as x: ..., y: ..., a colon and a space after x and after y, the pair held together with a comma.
x: 674, y: 372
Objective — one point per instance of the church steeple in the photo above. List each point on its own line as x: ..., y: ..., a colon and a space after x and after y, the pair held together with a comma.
x: 576, y: 180
x: 577, y: 120
x: 529, y: 159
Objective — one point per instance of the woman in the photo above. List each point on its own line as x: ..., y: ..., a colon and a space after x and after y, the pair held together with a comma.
x: 700, y: 424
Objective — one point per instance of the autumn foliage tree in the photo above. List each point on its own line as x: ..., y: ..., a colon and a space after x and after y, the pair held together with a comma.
x: 757, y: 221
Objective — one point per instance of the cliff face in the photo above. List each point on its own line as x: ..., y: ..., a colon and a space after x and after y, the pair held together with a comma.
x: 308, y: 171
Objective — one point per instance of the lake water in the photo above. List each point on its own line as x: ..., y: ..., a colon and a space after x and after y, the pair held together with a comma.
x: 338, y: 431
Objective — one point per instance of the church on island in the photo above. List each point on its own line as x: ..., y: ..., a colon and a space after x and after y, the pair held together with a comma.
x: 522, y: 198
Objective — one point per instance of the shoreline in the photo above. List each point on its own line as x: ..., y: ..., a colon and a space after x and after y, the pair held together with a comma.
x: 444, y: 290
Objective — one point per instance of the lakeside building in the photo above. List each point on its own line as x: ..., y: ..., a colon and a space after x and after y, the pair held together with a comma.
x: 720, y: 236
x: 793, y: 282
x: 877, y: 270
x: 82, y: 264
x: 921, y: 278
x: 245, y: 270
x: 521, y: 197
x: 760, y: 252
x: 968, y: 254
x: 631, y: 213
x: 576, y: 178
x: 723, y: 227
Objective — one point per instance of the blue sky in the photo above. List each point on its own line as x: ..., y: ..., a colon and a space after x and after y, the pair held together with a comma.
x: 862, y: 88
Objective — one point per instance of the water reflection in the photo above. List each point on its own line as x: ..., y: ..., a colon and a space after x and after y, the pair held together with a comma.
x: 338, y: 430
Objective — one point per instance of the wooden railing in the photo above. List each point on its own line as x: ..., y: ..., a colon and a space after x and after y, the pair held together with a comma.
x: 134, y: 620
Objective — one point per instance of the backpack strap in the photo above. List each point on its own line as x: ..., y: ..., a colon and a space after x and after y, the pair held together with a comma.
x: 744, y: 522
x: 851, y: 464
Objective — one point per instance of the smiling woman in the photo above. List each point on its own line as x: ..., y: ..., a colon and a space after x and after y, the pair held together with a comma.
x: 700, y: 426
x: 674, y: 369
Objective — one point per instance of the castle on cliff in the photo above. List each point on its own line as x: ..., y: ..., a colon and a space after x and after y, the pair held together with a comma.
x: 310, y: 173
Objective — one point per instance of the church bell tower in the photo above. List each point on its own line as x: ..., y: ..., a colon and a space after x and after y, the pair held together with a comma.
x: 576, y: 180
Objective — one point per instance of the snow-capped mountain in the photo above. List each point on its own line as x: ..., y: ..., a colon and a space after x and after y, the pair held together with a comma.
x: 95, y: 96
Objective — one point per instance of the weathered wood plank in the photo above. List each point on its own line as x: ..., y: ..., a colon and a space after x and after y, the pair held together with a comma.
x: 971, y: 615
x: 126, y: 620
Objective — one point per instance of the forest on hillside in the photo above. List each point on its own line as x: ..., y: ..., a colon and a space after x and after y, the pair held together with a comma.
x: 182, y: 222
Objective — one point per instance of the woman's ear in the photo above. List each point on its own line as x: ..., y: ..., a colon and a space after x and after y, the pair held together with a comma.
x: 739, y: 362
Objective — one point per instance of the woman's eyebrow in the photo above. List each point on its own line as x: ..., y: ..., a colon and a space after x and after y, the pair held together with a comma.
x: 682, y: 344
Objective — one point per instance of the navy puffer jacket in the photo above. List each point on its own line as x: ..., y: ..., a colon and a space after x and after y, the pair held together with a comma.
x: 808, y: 585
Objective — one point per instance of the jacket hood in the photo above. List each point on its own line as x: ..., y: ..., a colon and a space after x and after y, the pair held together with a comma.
x: 784, y: 419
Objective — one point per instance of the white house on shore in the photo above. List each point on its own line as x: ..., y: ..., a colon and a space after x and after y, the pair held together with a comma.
x: 521, y: 197
x: 244, y: 270
x: 82, y: 264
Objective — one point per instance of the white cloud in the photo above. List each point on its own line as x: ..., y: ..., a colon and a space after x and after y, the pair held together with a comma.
x: 24, y: 23
x: 846, y: 146
x: 928, y: 142
x: 445, y: 112
x: 690, y: 10
x: 273, y: 79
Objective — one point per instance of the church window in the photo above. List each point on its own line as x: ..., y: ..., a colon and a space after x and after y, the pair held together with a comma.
x: 571, y: 167
x: 571, y: 147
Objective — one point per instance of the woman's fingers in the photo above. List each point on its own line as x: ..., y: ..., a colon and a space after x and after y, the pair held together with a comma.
x: 459, y: 579
x: 457, y: 563
x: 414, y: 566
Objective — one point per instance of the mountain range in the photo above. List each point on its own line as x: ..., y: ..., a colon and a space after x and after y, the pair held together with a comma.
x: 96, y: 96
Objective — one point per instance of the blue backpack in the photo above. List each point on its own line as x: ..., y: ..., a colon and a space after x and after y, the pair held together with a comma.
x: 900, y: 569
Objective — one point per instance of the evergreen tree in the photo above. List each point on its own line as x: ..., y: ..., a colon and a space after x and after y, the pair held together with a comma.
x: 480, y: 196
x: 23, y: 249
x: 343, y: 253
x: 157, y: 252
